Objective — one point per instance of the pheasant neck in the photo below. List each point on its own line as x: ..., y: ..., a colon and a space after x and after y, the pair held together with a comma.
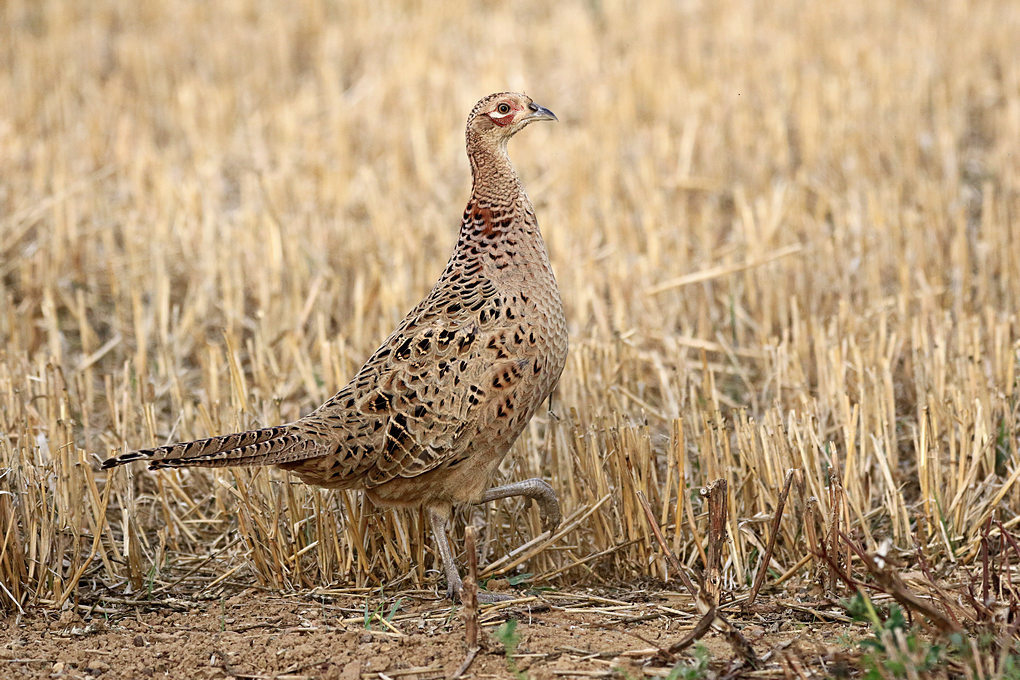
x: 492, y: 174
x: 499, y: 227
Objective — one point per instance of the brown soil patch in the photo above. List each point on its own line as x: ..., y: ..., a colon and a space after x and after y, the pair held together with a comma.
x: 259, y: 635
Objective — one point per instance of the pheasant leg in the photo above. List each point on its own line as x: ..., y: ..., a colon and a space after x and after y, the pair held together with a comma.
x: 537, y: 490
x: 440, y: 522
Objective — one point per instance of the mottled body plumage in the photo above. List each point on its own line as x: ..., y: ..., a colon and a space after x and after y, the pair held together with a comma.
x: 434, y: 410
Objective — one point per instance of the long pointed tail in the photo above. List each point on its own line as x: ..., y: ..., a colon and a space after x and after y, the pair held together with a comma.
x: 268, y: 446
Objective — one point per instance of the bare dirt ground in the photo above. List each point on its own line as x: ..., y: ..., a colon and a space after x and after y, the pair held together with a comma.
x: 258, y: 635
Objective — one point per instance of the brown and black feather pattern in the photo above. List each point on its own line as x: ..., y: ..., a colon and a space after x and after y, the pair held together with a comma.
x: 436, y: 407
x: 267, y: 446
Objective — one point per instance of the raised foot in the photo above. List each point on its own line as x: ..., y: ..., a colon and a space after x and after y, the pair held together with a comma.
x: 537, y: 490
x: 548, y: 506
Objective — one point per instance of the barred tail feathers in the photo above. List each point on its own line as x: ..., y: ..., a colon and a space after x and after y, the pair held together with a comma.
x: 267, y: 446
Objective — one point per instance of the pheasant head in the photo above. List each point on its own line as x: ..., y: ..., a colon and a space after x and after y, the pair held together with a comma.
x: 498, y: 117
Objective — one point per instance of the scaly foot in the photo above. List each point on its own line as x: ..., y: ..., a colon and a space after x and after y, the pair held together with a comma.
x: 537, y: 490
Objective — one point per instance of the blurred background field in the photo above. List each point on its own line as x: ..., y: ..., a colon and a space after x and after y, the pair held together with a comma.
x: 787, y: 234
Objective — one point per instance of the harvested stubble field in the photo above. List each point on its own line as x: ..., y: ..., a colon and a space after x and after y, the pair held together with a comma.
x: 787, y: 237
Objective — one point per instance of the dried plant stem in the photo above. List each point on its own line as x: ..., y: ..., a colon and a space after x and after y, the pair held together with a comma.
x: 469, y: 596
x: 710, y: 593
x: 469, y: 600
x: 842, y: 298
x: 678, y: 568
x: 759, y: 578
x: 832, y: 535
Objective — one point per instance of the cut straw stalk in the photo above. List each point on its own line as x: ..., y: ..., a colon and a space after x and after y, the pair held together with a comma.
x: 166, y: 296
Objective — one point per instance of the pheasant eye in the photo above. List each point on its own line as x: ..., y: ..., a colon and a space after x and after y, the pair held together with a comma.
x: 503, y: 108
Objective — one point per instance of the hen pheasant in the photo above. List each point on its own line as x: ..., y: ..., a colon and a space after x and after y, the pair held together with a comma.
x: 429, y: 417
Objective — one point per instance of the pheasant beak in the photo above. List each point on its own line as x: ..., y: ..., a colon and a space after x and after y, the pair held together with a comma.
x: 539, y: 113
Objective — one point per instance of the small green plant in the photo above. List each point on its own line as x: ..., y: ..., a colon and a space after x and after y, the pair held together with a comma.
x: 896, y: 650
x: 998, y: 659
x: 150, y: 580
x: 377, y: 613
x: 518, y: 579
x: 692, y: 669
x: 622, y: 672
x: 508, y: 636
x: 1002, y: 447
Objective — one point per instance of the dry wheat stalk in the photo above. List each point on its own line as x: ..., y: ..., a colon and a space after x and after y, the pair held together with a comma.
x: 800, y: 257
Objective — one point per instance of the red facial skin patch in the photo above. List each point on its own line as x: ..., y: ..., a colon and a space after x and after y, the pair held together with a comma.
x: 501, y: 119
